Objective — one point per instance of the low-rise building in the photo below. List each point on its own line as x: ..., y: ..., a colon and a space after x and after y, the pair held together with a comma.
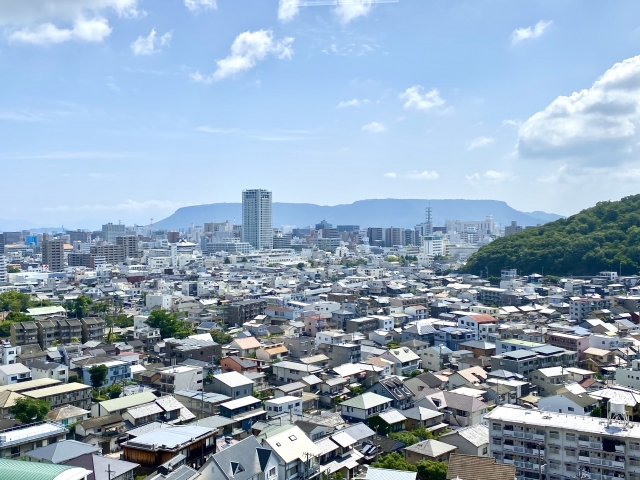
x: 14, y: 373
x: 232, y: 384
x: 280, y: 405
x: 363, y: 406
x: 15, y: 442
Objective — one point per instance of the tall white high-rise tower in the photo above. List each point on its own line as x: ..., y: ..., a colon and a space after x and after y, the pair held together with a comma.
x: 257, y: 220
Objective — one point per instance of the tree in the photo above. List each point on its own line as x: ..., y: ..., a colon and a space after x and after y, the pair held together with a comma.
x: 114, y: 390
x: 80, y: 307
x: 14, y: 301
x: 394, y: 461
x: 168, y: 324
x: 300, y: 266
x: 227, y: 261
x: 28, y: 410
x: 13, y: 270
x: 221, y: 337
x: 408, y: 438
x: 432, y: 470
x: 98, y: 375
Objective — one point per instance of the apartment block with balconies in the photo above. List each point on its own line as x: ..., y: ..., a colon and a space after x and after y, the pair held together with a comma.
x: 24, y: 333
x: 560, y: 446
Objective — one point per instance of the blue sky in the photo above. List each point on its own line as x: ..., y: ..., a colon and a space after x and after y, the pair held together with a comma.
x: 128, y: 109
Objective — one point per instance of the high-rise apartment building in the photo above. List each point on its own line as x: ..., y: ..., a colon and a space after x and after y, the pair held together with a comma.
x: 376, y: 236
x: 111, y: 253
x: 53, y: 255
x: 394, y: 237
x: 129, y: 243
x: 112, y: 231
x: 257, y: 220
x: 3, y: 270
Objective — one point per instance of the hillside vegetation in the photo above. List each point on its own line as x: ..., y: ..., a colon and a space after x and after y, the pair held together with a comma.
x: 604, y: 237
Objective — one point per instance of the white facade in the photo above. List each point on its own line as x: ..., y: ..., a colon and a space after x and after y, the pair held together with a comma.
x: 288, y: 404
x: 8, y: 354
x: 15, y: 373
x: 60, y: 372
x: 180, y: 377
x: 3, y: 270
x: 257, y: 221
x: 164, y: 301
x: 568, y: 446
x: 433, y: 246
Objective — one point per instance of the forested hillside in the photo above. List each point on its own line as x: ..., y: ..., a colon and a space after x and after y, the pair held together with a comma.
x: 604, y: 237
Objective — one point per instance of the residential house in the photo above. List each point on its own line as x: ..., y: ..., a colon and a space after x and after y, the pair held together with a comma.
x: 232, y: 384
x: 483, y: 326
x: 14, y: 373
x: 549, y: 380
x: 156, y: 447
x: 565, y: 401
x: 421, y: 330
x: 472, y: 440
x: 269, y: 353
x: 105, y: 431
x: 404, y: 359
x: 288, y: 372
x: 288, y: 404
x: 244, y: 412
x: 68, y: 415
x: 389, y: 421
x: 479, y: 348
x: 202, y: 404
x: 363, y: 406
x: 436, y: 358
x: 467, y: 377
x: 421, y: 417
x: 237, y: 364
x: 598, y: 360
x: 120, y: 405
x: 58, y: 371
x: 452, y: 337
x: 341, y: 353
x: 296, y: 454
x: 459, y: 410
x: 60, y: 452
x: 394, y: 389
x: 246, y: 346
x: 244, y: 460
x: 179, y: 350
x: 166, y: 409
x: 432, y: 450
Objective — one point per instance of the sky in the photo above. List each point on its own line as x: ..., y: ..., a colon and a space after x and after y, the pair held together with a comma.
x: 125, y: 110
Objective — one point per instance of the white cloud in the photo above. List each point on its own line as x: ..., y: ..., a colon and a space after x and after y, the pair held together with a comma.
x: 599, y: 123
x: 151, y: 44
x: 491, y: 176
x: 416, y: 99
x: 248, y: 49
x: 527, y: 33
x: 480, y: 142
x: 287, y: 10
x: 414, y: 175
x: 41, y: 22
x: 85, y: 30
x: 511, y: 122
x: 348, y: 12
x: 21, y: 116
x: 374, y: 127
x: 196, y: 6
x: 352, y: 103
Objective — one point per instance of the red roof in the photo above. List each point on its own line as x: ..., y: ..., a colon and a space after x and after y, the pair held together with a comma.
x: 483, y: 318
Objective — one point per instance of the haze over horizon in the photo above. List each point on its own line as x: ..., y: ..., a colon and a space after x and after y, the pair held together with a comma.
x: 125, y: 110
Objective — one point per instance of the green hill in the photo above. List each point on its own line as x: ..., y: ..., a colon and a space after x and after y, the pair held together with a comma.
x: 604, y: 237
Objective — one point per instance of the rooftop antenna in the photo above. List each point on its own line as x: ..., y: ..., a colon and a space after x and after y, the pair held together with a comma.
x: 429, y: 222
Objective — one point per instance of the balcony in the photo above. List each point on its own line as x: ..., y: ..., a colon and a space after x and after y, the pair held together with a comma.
x: 594, y: 445
x: 613, y: 463
x: 620, y: 448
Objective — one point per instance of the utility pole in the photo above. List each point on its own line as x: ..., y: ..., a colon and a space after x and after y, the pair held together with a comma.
x: 109, y: 472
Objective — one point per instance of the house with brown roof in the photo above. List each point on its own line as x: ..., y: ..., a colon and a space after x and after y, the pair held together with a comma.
x: 237, y: 364
x: 428, y: 450
x: 272, y: 352
x: 246, y: 346
x: 468, y: 376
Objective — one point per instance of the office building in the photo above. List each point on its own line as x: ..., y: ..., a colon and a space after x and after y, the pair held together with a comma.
x: 53, y: 255
x: 129, y: 244
x: 376, y: 236
x: 110, y: 232
x: 394, y: 237
x: 348, y: 228
x: 433, y: 246
x: 558, y: 446
x: 257, y: 222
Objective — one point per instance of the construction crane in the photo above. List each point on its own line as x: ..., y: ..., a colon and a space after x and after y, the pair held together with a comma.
x: 319, y: 3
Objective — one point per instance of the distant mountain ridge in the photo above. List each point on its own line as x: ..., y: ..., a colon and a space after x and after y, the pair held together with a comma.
x: 390, y: 212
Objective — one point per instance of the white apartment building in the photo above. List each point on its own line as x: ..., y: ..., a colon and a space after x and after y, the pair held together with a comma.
x: 3, y: 270
x: 433, y: 246
x: 580, y: 308
x: 559, y: 446
x: 257, y: 221
x: 180, y: 377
